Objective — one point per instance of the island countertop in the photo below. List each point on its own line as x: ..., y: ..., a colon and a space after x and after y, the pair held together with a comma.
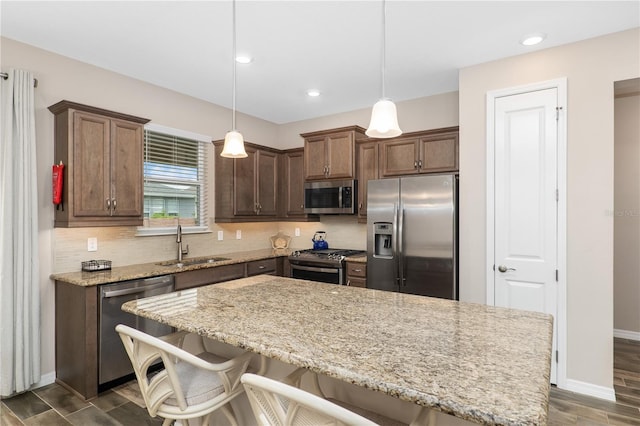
x: 485, y: 364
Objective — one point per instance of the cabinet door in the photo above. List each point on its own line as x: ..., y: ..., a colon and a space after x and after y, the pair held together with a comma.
x: 267, y: 183
x: 367, y: 170
x: 294, y: 183
x: 399, y: 157
x: 244, y: 184
x: 126, y: 169
x: 439, y: 153
x: 340, y: 153
x: 315, y: 161
x: 91, y: 174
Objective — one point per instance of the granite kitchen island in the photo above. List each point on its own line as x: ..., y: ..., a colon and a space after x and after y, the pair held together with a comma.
x: 484, y: 364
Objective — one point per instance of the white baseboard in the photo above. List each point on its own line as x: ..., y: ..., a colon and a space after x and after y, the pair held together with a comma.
x: 45, y: 379
x: 589, y: 389
x: 626, y: 334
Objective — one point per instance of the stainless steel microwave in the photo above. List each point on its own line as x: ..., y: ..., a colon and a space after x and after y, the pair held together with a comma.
x: 331, y: 197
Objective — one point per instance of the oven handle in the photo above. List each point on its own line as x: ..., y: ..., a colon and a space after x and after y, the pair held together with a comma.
x: 315, y: 269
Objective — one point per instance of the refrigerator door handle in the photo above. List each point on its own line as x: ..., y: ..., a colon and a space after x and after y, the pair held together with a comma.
x: 396, y: 248
x: 400, y: 240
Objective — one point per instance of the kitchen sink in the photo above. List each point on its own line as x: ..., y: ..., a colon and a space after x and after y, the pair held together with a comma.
x: 189, y: 262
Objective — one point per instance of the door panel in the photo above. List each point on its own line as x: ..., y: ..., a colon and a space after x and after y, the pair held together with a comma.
x: 126, y: 168
x: 383, y: 203
x: 340, y: 152
x: 92, y: 186
x: 267, y: 184
x: 244, y: 181
x: 525, y: 257
x: 427, y: 221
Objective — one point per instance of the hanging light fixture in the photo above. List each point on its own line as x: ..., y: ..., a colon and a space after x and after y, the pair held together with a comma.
x: 384, y: 117
x: 233, y: 140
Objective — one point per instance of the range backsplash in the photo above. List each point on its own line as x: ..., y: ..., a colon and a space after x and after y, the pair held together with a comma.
x: 123, y: 247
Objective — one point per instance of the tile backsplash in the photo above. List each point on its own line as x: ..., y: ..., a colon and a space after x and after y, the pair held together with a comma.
x: 123, y: 247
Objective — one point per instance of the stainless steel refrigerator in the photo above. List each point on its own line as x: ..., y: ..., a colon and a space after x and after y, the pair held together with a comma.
x: 412, y: 231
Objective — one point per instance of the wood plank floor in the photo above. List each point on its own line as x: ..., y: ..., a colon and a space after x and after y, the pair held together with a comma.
x: 568, y: 408
x: 53, y: 405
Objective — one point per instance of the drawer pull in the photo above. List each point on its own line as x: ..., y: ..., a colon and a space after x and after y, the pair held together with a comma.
x: 357, y: 270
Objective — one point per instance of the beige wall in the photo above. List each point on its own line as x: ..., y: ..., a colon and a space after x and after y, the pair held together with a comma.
x: 418, y: 114
x: 62, y: 250
x: 591, y: 67
x: 626, y: 274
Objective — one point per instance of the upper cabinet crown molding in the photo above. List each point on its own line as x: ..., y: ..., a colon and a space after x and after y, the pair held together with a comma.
x: 66, y: 105
x: 103, y: 156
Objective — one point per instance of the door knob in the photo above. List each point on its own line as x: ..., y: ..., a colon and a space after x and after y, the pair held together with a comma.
x: 503, y: 268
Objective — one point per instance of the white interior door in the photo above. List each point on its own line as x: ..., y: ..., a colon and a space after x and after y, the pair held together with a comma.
x: 525, y: 196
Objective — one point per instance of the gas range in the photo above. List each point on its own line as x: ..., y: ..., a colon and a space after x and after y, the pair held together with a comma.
x: 326, y: 265
x: 322, y: 257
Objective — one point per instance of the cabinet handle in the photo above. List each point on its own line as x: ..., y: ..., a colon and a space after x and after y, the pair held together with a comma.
x: 357, y: 270
x: 360, y: 206
x: 261, y: 267
x: 348, y: 282
x: 415, y: 164
x: 419, y: 164
x: 108, y: 200
x: 114, y: 204
x: 302, y: 206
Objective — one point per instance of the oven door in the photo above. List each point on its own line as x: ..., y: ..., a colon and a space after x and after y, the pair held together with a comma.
x: 318, y: 273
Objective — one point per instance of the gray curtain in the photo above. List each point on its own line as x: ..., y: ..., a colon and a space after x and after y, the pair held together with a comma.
x: 19, y: 275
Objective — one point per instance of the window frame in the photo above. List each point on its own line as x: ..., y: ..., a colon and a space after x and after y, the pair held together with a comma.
x: 204, y: 207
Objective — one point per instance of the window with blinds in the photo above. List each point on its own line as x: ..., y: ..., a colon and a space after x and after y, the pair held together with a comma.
x: 175, y: 168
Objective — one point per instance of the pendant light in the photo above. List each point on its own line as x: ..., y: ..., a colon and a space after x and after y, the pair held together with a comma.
x: 233, y: 140
x: 384, y: 117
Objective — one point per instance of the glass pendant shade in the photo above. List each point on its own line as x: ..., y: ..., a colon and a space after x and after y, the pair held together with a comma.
x: 233, y: 140
x: 384, y: 120
x: 233, y: 145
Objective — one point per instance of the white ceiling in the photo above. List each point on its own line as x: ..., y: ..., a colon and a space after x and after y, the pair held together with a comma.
x: 332, y: 46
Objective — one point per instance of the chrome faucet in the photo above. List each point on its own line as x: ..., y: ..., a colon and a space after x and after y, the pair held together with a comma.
x: 181, y: 252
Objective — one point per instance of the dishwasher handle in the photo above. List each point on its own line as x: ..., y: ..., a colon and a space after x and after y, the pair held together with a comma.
x: 134, y: 290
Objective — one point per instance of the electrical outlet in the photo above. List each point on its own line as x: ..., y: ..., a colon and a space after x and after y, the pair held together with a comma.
x: 238, y: 234
x: 220, y: 235
x: 92, y: 244
x: 297, y: 232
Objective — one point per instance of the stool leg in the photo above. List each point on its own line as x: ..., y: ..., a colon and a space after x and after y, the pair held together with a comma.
x: 426, y: 417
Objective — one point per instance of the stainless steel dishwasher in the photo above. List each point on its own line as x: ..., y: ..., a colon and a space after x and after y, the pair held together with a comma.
x: 113, y: 361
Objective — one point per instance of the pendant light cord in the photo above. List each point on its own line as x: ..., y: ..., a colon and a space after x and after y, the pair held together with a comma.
x: 384, y: 47
x: 233, y: 59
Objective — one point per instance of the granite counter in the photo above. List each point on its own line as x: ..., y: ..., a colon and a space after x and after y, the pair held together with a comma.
x: 145, y: 270
x: 484, y: 364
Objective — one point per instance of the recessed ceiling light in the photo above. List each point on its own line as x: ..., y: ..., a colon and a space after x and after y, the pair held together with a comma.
x: 532, y: 39
x: 313, y: 93
x: 243, y: 59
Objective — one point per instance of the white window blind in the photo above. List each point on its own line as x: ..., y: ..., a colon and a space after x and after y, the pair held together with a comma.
x: 175, y: 179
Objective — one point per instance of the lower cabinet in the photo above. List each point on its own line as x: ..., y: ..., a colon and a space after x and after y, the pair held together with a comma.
x: 201, y: 277
x: 357, y: 274
x: 77, y: 319
x: 76, y: 347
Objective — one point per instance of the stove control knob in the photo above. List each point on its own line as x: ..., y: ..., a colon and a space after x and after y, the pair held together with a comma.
x: 295, y: 253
